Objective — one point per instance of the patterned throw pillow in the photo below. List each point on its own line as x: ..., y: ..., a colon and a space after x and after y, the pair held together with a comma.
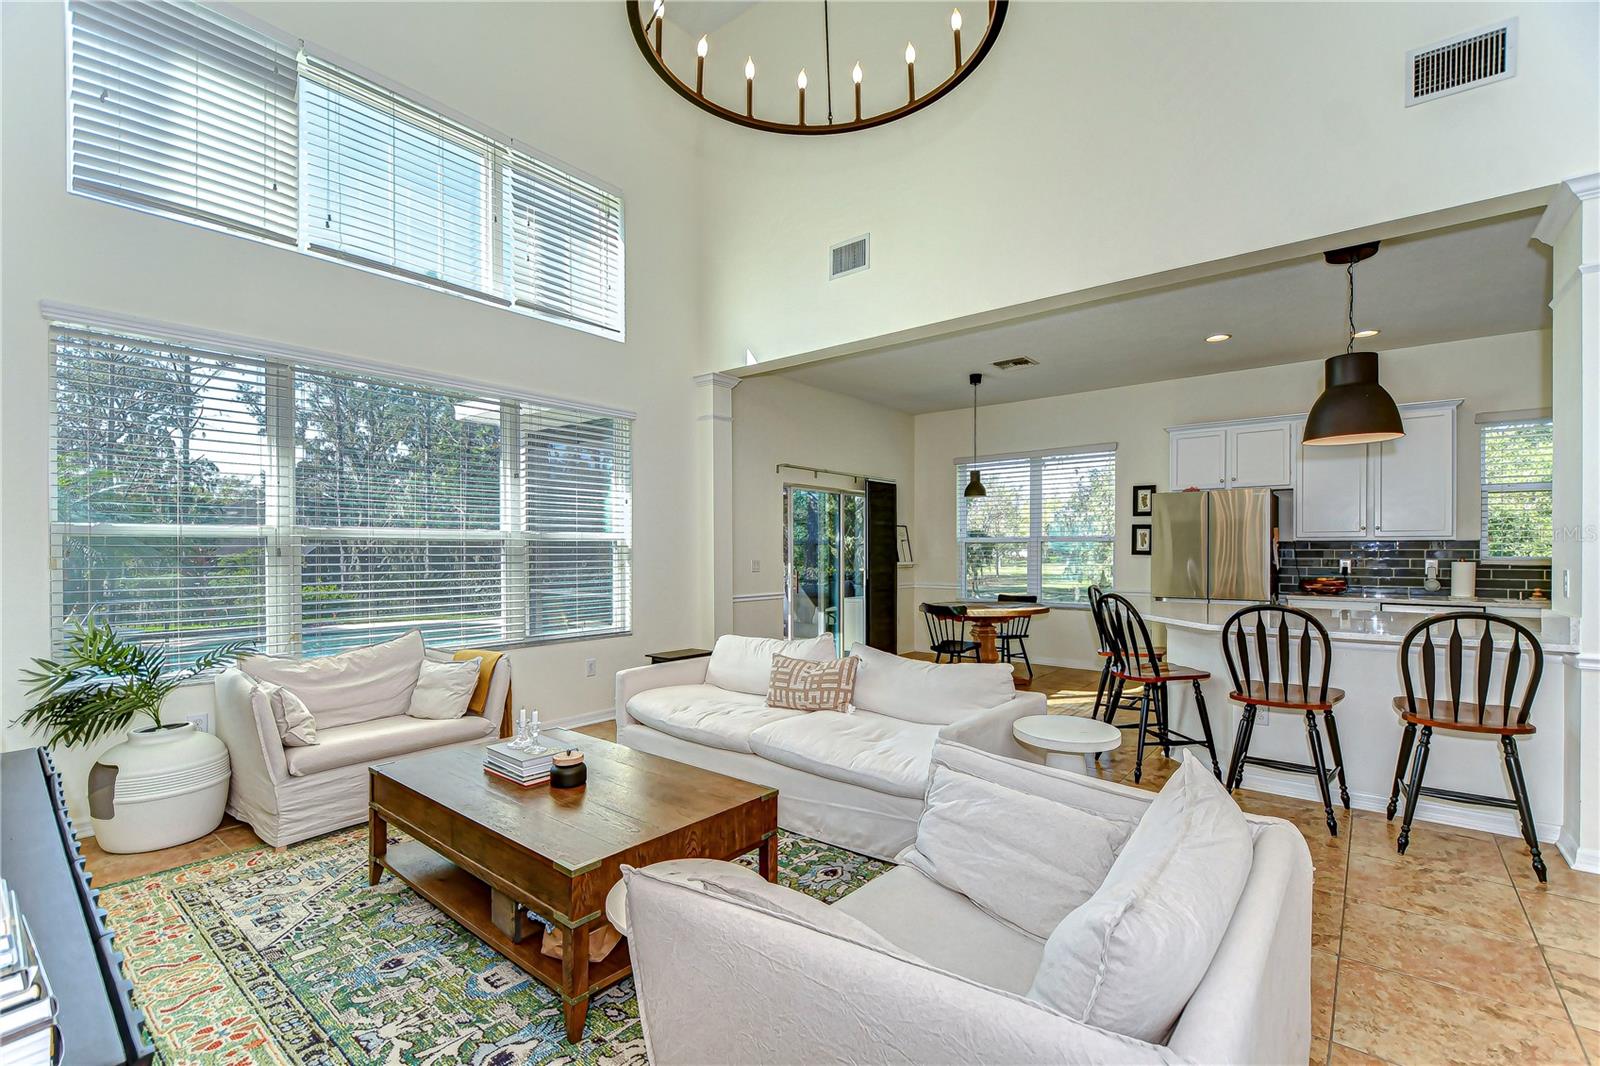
x: 812, y: 684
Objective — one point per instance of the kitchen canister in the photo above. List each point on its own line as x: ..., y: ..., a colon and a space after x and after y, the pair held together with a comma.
x: 1463, y: 579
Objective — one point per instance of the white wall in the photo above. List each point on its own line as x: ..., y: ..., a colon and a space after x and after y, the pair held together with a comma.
x: 563, y: 77
x: 1103, y: 142
x: 779, y: 421
x: 1504, y: 373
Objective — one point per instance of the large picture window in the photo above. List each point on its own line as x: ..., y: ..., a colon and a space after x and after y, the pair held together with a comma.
x: 183, y: 111
x: 1047, y: 526
x: 203, y: 494
x: 1517, y: 464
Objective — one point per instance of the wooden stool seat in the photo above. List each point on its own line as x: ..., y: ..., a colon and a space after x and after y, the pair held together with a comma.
x: 1464, y: 717
x: 1147, y: 673
x: 1159, y: 653
x: 1290, y: 697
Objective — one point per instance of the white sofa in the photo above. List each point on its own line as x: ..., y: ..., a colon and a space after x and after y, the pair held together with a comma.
x: 855, y: 780
x: 359, y: 700
x: 954, y: 983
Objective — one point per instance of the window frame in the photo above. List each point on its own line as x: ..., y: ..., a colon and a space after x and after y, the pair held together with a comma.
x: 1487, y: 489
x: 281, y: 531
x: 1035, y: 541
x: 506, y: 156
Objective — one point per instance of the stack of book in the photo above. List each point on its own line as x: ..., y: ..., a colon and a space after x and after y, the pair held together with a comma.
x: 27, y: 1009
x: 520, y: 767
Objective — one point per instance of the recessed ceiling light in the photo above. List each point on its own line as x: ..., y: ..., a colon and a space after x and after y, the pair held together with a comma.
x: 1358, y: 334
x: 1218, y: 338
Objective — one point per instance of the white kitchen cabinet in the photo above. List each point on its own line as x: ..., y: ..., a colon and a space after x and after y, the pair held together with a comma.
x: 1414, y: 478
x: 1330, y: 491
x: 1232, y: 455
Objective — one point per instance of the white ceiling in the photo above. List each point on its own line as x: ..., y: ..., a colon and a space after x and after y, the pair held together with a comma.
x: 1476, y: 280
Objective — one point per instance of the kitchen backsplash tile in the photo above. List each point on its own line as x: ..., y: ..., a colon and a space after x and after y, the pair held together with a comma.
x: 1398, y: 564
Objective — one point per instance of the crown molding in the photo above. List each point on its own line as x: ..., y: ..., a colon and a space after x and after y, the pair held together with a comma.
x: 721, y: 381
x: 1563, y: 204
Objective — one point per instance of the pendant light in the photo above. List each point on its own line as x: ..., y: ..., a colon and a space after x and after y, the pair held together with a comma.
x: 974, y: 482
x: 1353, y: 407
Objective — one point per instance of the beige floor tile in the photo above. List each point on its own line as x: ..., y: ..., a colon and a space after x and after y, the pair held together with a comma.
x: 1451, y: 954
x: 1462, y: 900
x: 109, y: 868
x: 238, y: 837
x: 1324, y: 975
x: 1591, y: 1042
x: 1564, y: 922
x: 1339, y: 1055
x: 1562, y: 880
x: 1327, y: 920
x: 1578, y: 977
x: 1406, y: 1020
x: 1444, y: 855
x: 1319, y: 1052
x: 1378, y: 820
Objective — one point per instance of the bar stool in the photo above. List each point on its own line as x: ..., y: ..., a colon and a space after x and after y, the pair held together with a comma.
x: 1014, y: 631
x: 1104, y: 651
x: 1507, y: 719
x: 1134, y: 658
x: 947, y: 633
x: 1253, y: 686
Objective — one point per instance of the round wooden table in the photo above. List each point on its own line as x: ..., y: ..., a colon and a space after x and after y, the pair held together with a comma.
x: 982, y: 615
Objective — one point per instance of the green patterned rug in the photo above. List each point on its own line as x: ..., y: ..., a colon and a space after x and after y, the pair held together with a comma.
x: 290, y: 957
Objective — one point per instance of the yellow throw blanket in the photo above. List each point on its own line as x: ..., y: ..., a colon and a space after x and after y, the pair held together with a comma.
x: 487, y: 660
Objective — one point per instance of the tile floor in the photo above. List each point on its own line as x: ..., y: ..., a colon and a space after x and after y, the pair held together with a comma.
x: 1451, y: 953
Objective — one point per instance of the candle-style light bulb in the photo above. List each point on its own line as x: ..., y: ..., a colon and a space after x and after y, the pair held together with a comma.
x: 703, y: 47
x: 911, y: 52
x: 955, y: 30
x: 911, y: 73
x: 750, y: 87
x: 657, y: 17
x: 800, y: 83
x: 855, y: 76
x: 801, y: 80
x: 750, y: 69
x: 700, y: 51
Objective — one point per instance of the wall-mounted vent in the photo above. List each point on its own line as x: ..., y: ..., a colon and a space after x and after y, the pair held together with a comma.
x: 848, y: 257
x: 1461, y: 63
x: 1015, y: 363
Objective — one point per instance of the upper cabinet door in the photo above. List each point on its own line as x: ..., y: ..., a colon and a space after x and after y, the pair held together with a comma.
x: 1414, y: 478
x: 1330, y: 493
x: 1260, y: 455
x: 1199, y: 459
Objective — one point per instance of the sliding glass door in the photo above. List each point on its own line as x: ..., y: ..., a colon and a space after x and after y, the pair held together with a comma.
x: 825, y: 587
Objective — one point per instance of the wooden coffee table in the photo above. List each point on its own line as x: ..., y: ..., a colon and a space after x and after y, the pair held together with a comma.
x: 483, y: 849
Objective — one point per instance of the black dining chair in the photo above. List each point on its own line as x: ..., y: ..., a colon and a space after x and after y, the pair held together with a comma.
x: 1012, y: 634
x: 1431, y: 709
x: 1267, y: 648
x: 947, y: 633
x: 1104, y: 709
x: 1134, y: 658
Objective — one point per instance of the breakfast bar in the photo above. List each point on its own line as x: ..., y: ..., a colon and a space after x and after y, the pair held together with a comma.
x: 1365, y: 646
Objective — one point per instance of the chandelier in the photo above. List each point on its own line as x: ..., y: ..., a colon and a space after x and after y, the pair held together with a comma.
x: 778, y: 105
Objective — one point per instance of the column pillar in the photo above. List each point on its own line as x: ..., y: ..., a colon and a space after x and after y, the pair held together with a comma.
x: 1571, y: 226
x: 715, y: 453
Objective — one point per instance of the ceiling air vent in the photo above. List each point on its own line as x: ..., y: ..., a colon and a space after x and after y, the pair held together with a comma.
x: 848, y: 257
x: 1461, y: 63
x: 1015, y: 363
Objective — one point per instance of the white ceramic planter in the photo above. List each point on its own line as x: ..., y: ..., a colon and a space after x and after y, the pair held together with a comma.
x: 162, y: 786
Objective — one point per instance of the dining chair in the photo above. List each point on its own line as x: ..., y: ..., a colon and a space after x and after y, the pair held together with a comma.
x: 1014, y: 631
x: 1103, y: 709
x: 1267, y: 647
x: 1507, y: 719
x: 947, y: 633
x: 1133, y: 658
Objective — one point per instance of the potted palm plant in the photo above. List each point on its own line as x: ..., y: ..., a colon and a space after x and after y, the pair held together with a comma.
x: 167, y: 782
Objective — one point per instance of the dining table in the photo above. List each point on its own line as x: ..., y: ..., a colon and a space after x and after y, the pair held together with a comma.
x: 982, y: 616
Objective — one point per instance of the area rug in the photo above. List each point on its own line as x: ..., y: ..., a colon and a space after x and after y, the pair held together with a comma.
x: 290, y: 957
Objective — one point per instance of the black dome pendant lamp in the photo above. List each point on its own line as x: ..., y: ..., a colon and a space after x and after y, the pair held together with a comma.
x: 974, y: 482
x: 1353, y: 407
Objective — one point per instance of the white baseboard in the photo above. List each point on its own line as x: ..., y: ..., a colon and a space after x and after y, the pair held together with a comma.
x: 1487, y: 820
x: 1585, y: 860
x: 605, y: 714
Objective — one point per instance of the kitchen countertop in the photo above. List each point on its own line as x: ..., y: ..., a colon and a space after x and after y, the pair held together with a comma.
x: 1360, y: 625
x: 1416, y: 595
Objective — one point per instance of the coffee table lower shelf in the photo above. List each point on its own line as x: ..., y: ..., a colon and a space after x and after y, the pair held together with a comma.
x: 467, y: 900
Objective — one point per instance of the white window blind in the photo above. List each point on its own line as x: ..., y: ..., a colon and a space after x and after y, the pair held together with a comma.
x: 203, y: 495
x: 178, y: 109
x: 1047, y: 526
x: 566, y: 245
x: 1517, y: 465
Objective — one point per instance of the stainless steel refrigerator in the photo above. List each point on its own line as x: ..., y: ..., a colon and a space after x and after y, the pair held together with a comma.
x: 1216, y: 545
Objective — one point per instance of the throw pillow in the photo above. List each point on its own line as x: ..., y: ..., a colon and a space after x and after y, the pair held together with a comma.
x: 359, y: 685
x: 444, y: 689
x: 1026, y: 860
x: 809, y: 685
x: 744, y: 664
x: 296, y: 726
x: 1129, y: 959
x: 913, y: 690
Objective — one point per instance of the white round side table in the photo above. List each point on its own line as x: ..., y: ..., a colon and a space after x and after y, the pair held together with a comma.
x: 1061, y: 736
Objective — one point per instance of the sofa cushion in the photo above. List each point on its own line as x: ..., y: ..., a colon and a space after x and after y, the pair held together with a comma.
x: 1107, y: 800
x: 706, y: 714
x: 296, y: 726
x: 1054, y: 855
x: 944, y: 929
x: 744, y: 664
x: 812, y: 684
x: 382, y: 738
x: 354, y: 686
x: 1130, y: 958
x: 444, y: 689
x: 870, y: 750
x: 935, y: 693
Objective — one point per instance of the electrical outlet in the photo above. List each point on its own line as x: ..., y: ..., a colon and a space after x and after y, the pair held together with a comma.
x: 588, y: 668
x: 755, y: 566
x: 201, y: 720
x: 1344, y: 566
